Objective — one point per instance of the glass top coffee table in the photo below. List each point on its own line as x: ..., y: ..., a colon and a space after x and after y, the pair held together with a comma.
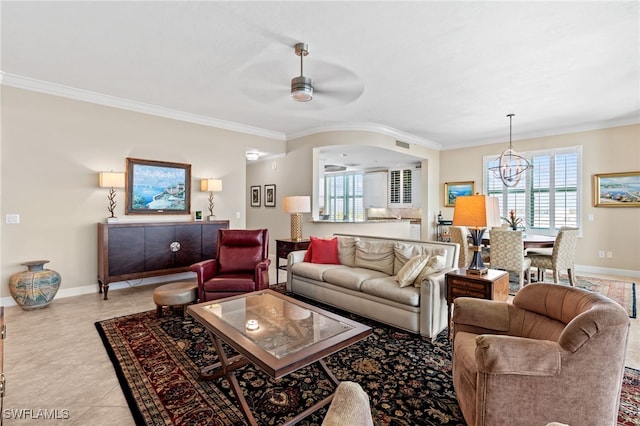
x: 277, y: 334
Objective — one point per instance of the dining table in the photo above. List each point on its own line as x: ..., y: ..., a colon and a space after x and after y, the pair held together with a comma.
x: 529, y: 241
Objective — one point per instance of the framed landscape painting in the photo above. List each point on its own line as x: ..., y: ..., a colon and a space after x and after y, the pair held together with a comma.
x: 453, y: 190
x: 157, y: 187
x: 255, y: 196
x: 616, y: 189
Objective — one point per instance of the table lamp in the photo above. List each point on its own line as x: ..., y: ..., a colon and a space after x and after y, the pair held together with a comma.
x: 476, y: 212
x: 211, y: 186
x: 111, y: 180
x: 295, y: 206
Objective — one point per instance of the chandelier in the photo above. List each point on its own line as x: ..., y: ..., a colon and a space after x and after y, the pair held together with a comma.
x: 511, y: 165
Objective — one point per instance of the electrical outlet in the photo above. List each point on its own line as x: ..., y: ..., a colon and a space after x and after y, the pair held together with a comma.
x: 609, y: 255
x: 601, y: 253
x: 13, y: 219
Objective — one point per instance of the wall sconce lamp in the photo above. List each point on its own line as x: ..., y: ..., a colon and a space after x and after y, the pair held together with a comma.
x: 211, y: 186
x: 295, y: 206
x: 476, y: 212
x: 111, y: 180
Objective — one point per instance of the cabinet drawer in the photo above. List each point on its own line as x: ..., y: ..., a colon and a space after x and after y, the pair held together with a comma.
x: 466, y: 292
x: 464, y: 284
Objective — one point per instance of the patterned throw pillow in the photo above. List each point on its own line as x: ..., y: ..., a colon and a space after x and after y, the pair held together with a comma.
x: 410, y: 271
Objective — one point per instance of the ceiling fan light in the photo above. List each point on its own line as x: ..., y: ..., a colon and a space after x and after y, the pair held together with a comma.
x: 301, y: 89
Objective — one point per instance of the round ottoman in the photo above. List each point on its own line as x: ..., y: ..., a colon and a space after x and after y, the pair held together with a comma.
x: 180, y: 293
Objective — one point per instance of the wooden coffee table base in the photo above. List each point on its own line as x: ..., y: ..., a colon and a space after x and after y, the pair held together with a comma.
x: 225, y: 368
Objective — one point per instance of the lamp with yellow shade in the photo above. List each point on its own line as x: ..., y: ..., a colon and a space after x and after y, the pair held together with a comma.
x: 477, y: 213
x: 296, y: 205
x: 111, y: 180
x: 211, y: 186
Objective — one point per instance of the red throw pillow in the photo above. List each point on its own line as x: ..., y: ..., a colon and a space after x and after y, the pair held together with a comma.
x: 324, y: 251
x: 307, y: 255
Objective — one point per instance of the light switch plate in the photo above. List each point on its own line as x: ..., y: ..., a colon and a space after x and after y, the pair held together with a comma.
x: 13, y: 219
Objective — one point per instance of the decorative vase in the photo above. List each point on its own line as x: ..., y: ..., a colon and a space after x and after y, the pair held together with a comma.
x: 514, y: 227
x: 36, y: 287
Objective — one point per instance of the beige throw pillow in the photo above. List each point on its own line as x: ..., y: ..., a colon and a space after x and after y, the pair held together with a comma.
x: 435, y: 263
x: 410, y: 271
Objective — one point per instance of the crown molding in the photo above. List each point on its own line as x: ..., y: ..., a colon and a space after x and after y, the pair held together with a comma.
x: 26, y: 83
x: 368, y: 127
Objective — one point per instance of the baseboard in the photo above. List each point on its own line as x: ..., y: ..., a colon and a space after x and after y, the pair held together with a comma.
x: 607, y: 271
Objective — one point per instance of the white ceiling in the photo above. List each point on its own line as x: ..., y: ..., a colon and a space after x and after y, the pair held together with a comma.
x: 442, y: 74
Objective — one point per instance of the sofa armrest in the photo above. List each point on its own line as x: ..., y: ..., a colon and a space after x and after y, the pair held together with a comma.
x: 205, y: 269
x: 296, y: 257
x: 480, y: 316
x: 500, y: 354
x: 433, y: 304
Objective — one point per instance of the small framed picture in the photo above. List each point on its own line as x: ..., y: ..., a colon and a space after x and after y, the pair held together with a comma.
x: 269, y: 195
x: 197, y: 215
x: 453, y: 190
x: 255, y: 196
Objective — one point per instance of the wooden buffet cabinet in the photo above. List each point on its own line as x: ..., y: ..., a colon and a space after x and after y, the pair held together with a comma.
x: 129, y: 251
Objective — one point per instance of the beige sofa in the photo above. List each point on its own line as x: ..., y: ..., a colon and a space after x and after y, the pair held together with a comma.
x: 365, y: 281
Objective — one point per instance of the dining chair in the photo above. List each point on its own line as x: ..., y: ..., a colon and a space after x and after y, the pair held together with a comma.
x: 507, y: 253
x: 561, y: 257
x: 460, y: 235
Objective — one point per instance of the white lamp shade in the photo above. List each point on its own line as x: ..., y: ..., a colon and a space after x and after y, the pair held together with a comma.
x: 296, y: 204
x: 476, y: 211
x: 211, y: 185
x: 111, y: 179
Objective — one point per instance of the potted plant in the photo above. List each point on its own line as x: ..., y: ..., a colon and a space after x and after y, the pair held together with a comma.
x: 512, y: 220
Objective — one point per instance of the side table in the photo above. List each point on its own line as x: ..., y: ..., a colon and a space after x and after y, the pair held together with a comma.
x: 286, y: 246
x: 494, y: 285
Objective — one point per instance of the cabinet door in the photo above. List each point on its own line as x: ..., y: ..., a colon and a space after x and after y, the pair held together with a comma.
x: 190, y: 239
x: 157, y: 247
x: 125, y: 256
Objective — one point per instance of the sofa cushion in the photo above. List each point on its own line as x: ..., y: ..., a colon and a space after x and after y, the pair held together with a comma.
x: 433, y: 265
x: 376, y: 255
x: 403, y: 252
x: 314, y: 271
x: 347, y: 250
x: 324, y: 250
x: 388, y: 288
x: 351, y: 278
x: 410, y: 271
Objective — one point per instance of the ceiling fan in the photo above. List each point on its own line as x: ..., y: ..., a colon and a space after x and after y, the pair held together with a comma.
x: 301, y: 86
x: 333, y: 84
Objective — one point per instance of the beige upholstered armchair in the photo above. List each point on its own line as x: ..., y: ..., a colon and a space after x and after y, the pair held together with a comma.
x: 507, y: 253
x: 555, y: 354
x: 560, y: 259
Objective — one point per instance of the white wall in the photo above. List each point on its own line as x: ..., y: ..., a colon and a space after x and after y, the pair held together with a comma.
x: 52, y: 151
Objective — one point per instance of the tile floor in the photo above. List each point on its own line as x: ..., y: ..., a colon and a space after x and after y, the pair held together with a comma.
x: 55, y: 360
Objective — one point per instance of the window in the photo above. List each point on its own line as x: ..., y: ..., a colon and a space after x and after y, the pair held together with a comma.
x: 343, y: 196
x: 549, y: 197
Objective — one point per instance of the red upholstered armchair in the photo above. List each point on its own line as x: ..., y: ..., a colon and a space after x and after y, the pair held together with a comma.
x: 241, y: 265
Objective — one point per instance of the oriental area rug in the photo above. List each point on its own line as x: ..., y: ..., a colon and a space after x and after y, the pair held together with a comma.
x: 407, y: 377
x: 623, y: 292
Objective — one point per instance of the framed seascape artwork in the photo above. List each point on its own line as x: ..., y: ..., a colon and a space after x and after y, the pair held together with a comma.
x: 255, y: 196
x: 269, y: 195
x: 616, y: 189
x: 157, y: 187
x: 453, y: 190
